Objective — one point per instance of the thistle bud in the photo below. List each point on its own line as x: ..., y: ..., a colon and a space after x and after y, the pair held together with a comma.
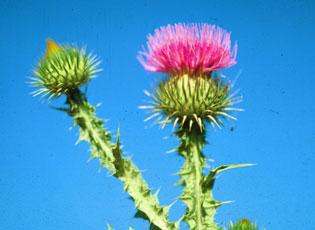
x: 243, y: 224
x: 191, y: 101
x: 62, y: 69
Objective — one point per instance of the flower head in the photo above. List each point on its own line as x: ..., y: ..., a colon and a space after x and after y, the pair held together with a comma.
x: 192, y: 101
x: 62, y: 69
x: 188, y: 49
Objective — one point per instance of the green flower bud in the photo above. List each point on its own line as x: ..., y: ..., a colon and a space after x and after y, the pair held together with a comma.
x: 192, y: 101
x: 62, y: 69
x: 243, y: 224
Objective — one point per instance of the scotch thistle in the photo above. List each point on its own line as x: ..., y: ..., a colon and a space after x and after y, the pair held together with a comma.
x: 192, y: 95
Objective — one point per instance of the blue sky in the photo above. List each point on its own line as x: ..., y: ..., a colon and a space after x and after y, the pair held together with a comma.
x: 46, y: 182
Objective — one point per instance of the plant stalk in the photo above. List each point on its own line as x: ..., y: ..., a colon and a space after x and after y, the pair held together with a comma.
x: 111, y: 157
x: 200, y: 203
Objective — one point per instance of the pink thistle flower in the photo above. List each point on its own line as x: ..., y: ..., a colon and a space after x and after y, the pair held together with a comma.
x: 188, y: 48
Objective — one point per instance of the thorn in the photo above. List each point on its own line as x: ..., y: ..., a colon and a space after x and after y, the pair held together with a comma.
x: 195, y: 116
x: 59, y: 109
x: 175, y: 123
x: 234, y: 93
x: 190, y: 124
x: 184, y: 119
x: 147, y: 93
x: 171, y: 151
x: 171, y: 204
x: 118, y: 134
x: 236, y: 101
x: 156, y: 194
x: 209, y: 111
x: 145, y: 107
x: 152, y: 116
x: 177, y: 223
x: 165, y: 122
x: 236, y: 78
x: 227, y: 115
x: 77, y: 142
x: 220, y: 121
x: 157, y: 120
x: 201, y: 125
x: 227, y: 202
x: 234, y: 109
x: 199, y: 122
x: 214, y: 120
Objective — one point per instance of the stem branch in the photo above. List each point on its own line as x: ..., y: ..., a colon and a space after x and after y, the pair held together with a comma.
x: 111, y: 157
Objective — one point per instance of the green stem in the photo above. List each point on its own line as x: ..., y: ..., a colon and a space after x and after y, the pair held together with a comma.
x: 111, y: 157
x: 200, y: 209
x: 198, y: 165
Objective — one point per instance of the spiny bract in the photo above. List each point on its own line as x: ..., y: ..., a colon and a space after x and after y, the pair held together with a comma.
x: 192, y: 100
x: 63, y: 68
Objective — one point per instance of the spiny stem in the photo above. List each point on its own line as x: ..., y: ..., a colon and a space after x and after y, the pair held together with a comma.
x: 198, y: 164
x: 111, y: 157
x: 200, y: 203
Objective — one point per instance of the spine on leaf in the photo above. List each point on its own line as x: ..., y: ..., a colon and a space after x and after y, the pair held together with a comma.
x: 111, y: 157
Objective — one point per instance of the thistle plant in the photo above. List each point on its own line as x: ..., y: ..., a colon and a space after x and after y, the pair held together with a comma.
x: 192, y: 96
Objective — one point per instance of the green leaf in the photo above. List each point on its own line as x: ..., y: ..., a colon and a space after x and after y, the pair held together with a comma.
x: 233, y: 166
x: 209, y: 180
